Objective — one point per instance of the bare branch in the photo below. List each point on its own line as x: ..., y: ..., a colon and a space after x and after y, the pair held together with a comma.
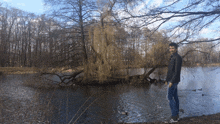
x: 200, y: 41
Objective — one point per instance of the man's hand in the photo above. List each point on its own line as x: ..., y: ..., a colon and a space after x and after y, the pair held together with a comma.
x: 170, y: 84
x: 165, y: 82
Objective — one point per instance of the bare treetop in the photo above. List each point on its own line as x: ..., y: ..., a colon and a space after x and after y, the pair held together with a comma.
x: 180, y: 16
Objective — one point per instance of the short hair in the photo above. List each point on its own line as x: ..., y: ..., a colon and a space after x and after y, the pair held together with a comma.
x: 173, y: 44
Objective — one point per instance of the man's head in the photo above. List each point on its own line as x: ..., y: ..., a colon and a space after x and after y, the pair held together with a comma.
x: 173, y: 47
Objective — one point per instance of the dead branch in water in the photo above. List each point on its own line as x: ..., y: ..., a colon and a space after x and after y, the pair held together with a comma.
x: 65, y: 79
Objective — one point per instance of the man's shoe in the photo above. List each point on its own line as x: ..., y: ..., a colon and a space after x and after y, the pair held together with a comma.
x: 178, y: 118
x: 173, y: 119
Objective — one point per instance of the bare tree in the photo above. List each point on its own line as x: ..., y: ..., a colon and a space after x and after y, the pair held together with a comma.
x: 8, y: 20
x: 191, y: 16
x: 95, y: 36
x: 75, y: 15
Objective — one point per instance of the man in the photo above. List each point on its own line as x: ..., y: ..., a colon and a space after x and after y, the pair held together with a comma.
x: 172, y: 79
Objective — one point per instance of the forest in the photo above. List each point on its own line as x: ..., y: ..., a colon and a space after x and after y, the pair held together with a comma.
x: 102, y: 38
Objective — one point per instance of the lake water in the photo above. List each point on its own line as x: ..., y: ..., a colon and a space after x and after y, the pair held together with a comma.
x: 199, y: 94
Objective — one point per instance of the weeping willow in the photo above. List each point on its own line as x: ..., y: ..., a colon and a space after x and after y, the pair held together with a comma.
x: 108, y: 57
x: 157, y: 56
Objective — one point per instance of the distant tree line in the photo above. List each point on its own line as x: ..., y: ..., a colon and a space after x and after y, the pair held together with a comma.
x: 30, y: 40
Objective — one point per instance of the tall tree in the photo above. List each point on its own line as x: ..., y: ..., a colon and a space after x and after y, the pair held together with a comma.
x: 75, y: 15
x: 8, y: 18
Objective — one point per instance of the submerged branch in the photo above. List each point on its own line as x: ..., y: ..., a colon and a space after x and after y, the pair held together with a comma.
x: 65, y: 80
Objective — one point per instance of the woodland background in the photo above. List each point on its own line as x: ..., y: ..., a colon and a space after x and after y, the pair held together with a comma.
x: 91, y: 36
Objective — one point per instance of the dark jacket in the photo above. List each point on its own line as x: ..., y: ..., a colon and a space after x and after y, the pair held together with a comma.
x: 174, y: 68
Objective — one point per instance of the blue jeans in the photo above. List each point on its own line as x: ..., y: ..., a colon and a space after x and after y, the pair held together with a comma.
x: 173, y: 99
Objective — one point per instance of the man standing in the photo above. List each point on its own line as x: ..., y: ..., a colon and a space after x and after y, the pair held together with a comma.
x: 172, y: 79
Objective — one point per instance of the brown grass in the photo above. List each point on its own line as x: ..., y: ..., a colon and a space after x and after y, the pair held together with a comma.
x: 212, y: 64
x: 18, y: 70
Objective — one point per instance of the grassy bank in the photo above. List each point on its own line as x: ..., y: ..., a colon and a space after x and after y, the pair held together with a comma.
x: 206, y: 65
x: 212, y: 64
x: 17, y: 70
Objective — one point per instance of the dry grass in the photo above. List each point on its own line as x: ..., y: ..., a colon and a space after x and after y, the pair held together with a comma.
x: 18, y: 70
x: 212, y: 64
x: 31, y: 70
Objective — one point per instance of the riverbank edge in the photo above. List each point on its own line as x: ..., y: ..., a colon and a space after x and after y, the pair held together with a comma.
x: 204, y: 119
x: 17, y: 70
x: 32, y: 70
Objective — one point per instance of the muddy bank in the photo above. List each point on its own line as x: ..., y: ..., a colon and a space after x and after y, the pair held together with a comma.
x: 205, y: 119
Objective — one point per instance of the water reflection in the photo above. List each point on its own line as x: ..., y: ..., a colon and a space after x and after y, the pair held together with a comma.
x: 198, y: 93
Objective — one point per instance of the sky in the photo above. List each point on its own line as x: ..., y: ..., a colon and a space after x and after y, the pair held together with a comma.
x: 33, y: 6
x: 210, y: 32
x: 36, y: 6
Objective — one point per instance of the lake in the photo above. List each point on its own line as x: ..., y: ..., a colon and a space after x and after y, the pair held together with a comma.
x: 199, y: 94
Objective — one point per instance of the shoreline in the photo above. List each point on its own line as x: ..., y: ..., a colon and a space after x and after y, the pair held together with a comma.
x: 204, y: 119
x: 32, y: 70
x: 17, y: 70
